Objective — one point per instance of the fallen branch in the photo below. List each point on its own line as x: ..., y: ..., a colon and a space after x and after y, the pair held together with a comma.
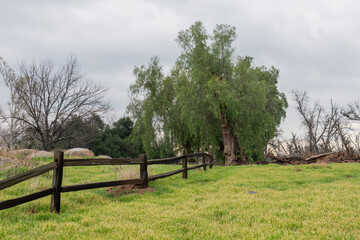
x: 314, y: 158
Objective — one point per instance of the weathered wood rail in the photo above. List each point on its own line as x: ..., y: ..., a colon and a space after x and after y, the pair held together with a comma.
x: 59, y: 163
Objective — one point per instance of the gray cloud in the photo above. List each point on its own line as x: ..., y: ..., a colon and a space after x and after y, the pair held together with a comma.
x: 315, y: 44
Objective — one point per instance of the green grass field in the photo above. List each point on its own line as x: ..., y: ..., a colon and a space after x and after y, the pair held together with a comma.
x: 291, y: 202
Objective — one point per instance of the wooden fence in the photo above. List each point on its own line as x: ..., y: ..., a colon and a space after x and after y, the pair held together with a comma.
x: 59, y: 163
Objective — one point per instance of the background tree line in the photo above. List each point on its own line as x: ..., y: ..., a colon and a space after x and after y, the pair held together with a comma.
x: 211, y: 100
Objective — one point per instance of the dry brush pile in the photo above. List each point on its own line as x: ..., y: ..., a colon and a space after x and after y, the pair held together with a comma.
x: 332, y: 157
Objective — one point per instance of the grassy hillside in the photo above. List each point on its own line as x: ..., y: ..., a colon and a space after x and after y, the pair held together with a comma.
x: 302, y: 202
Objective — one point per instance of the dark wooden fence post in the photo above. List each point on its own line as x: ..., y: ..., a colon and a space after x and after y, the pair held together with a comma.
x: 57, y: 180
x: 143, y: 171
x: 184, y: 164
x: 211, y: 161
x: 204, y: 161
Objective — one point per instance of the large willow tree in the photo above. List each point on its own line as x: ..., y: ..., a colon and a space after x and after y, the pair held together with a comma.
x: 211, y: 99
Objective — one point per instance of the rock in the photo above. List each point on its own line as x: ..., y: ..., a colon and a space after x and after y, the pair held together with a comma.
x: 104, y: 156
x: 79, y: 152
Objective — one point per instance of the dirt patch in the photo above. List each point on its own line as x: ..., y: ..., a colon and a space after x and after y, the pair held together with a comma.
x: 127, y: 189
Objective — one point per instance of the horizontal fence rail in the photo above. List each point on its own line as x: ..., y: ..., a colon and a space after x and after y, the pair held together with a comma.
x: 86, y: 186
x: 164, y: 160
x: 100, y: 161
x: 197, y: 166
x: 59, y: 163
x: 164, y: 175
x: 27, y: 175
x: 28, y: 198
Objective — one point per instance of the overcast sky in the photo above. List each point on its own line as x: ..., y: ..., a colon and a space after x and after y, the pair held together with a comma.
x: 315, y: 44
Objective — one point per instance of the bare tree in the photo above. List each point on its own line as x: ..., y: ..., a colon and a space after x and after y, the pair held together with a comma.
x: 333, y: 124
x: 343, y: 137
x: 12, y: 129
x: 327, y: 129
x: 48, y: 98
x: 324, y: 128
x: 276, y: 144
x: 356, y: 142
x: 353, y: 111
x: 311, y: 119
x: 295, y: 145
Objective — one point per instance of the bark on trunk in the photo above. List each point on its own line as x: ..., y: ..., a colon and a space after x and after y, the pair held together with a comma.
x: 230, y: 143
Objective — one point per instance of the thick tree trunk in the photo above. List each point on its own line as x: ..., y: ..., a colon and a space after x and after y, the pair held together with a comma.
x: 230, y: 143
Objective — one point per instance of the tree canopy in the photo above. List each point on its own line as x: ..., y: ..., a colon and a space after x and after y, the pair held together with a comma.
x: 115, y: 141
x: 211, y: 100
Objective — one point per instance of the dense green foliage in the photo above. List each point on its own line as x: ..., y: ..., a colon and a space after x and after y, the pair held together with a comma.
x: 212, y: 99
x: 115, y: 140
x: 291, y: 202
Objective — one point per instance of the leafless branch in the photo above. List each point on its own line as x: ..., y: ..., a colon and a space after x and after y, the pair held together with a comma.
x: 48, y: 98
